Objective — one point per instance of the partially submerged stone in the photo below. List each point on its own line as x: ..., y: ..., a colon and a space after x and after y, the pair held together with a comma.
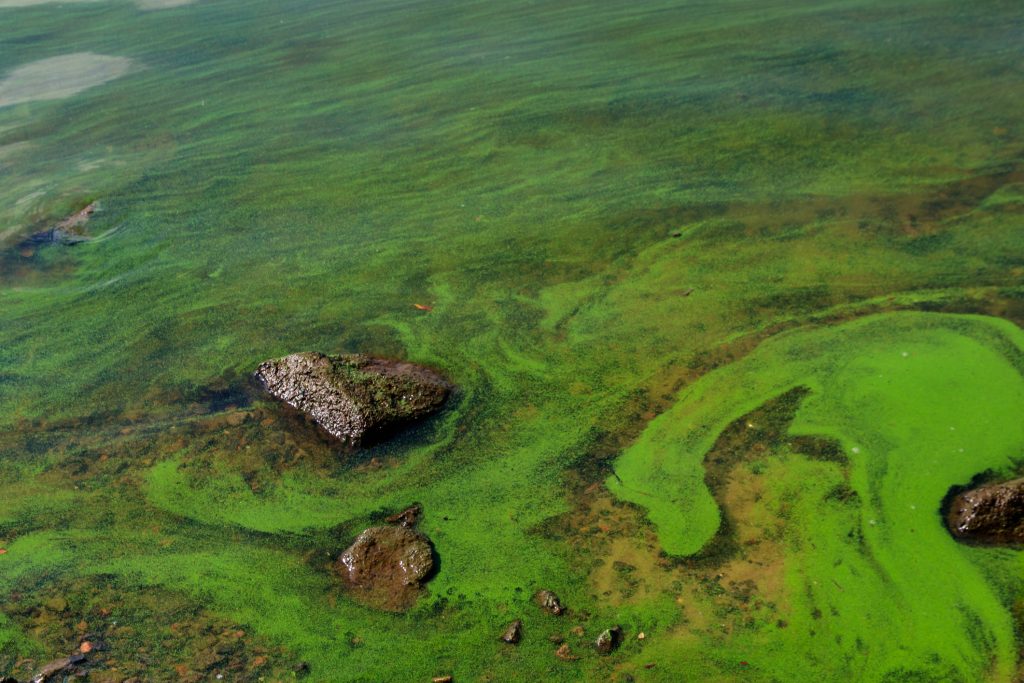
x: 513, y: 633
x: 407, y: 517
x: 71, y: 230
x: 58, y: 668
x: 989, y: 514
x: 354, y: 397
x: 609, y: 640
x: 549, y: 602
x: 387, y: 564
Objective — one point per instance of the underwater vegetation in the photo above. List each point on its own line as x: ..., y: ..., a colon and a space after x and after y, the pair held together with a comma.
x: 730, y: 293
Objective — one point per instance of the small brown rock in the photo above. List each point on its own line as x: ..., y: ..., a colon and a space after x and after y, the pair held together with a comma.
x: 609, y: 640
x: 407, y: 517
x: 513, y: 632
x: 549, y: 602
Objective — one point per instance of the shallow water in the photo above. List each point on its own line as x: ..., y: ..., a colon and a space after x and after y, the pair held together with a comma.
x: 636, y: 225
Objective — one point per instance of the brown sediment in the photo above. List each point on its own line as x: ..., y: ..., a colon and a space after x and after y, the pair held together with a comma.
x: 111, y: 626
x: 738, y: 581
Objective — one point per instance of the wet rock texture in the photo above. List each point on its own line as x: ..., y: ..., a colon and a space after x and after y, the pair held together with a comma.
x: 387, y: 565
x: 513, y: 632
x: 609, y: 640
x: 989, y: 514
x: 407, y: 517
x: 355, y: 398
x: 549, y: 602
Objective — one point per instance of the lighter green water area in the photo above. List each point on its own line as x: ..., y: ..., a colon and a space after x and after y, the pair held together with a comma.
x: 731, y: 293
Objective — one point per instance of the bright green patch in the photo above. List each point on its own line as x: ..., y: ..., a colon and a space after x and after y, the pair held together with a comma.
x: 920, y: 403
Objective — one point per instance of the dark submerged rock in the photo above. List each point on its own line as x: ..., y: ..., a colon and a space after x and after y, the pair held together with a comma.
x: 989, y: 514
x: 549, y: 602
x: 388, y: 564
x: 513, y: 632
x: 609, y: 640
x: 354, y: 397
x: 407, y: 517
x: 58, y: 667
x: 71, y: 230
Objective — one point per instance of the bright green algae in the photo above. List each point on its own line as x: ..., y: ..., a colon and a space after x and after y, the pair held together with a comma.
x: 920, y: 403
x: 295, y: 175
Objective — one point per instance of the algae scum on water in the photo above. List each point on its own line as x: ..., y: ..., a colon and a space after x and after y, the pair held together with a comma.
x: 729, y: 295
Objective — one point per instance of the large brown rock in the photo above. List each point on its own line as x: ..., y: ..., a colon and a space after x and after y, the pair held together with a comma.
x: 387, y: 565
x: 989, y: 514
x: 354, y: 397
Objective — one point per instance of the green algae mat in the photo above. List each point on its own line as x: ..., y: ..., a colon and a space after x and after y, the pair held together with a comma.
x: 730, y: 292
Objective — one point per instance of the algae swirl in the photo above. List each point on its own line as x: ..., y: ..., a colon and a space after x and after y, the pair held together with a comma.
x: 919, y: 402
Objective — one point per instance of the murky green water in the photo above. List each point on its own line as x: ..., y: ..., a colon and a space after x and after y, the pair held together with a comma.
x: 640, y: 228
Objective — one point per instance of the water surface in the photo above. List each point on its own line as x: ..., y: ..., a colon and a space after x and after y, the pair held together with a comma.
x: 638, y: 227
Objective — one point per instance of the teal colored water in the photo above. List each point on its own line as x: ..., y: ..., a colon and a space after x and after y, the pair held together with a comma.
x: 635, y: 227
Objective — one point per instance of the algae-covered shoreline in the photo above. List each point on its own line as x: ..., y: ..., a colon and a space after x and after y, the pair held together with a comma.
x: 623, y: 231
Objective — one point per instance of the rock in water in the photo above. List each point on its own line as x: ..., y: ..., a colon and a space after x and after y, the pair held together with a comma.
x: 354, y: 397
x: 389, y: 563
x: 990, y: 514
x: 549, y: 602
x: 609, y: 639
x: 71, y: 230
x: 513, y: 633
x: 407, y: 517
